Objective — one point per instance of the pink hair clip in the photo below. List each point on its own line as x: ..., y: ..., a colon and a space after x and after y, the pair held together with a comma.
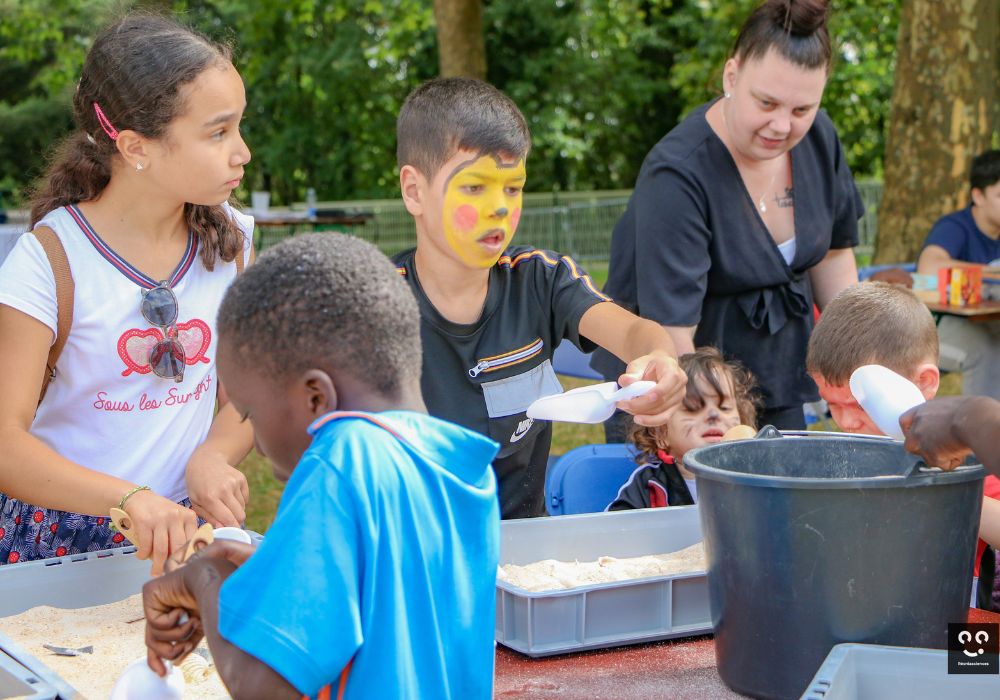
x: 105, y: 123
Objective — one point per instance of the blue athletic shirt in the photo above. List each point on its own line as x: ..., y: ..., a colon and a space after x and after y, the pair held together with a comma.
x: 958, y: 234
x: 384, y: 550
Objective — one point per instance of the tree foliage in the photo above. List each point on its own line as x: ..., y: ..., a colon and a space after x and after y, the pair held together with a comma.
x: 600, y: 81
x: 42, y: 46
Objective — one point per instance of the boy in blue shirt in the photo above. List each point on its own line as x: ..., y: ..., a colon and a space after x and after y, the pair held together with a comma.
x: 492, y: 314
x: 970, y: 235
x: 377, y: 576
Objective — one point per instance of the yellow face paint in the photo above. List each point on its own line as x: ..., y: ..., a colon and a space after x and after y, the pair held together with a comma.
x: 482, y: 205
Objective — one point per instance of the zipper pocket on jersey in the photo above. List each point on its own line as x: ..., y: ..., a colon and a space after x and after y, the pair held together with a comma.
x: 513, y: 357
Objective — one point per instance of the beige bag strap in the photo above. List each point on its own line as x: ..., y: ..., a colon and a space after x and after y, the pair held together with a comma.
x: 240, y: 262
x: 59, y: 263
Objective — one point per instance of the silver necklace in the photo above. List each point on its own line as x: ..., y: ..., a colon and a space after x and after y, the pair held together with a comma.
x: 760, y: 202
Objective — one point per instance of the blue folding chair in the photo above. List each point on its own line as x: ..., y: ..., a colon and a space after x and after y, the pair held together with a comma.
x: 586, y: 479
x: 571, y: 361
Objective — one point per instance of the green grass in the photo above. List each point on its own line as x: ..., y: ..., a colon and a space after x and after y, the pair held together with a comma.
x: 265, y: 492
x: 598, y: 271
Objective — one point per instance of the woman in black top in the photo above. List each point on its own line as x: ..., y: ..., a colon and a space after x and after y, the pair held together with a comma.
x: 746, y: 213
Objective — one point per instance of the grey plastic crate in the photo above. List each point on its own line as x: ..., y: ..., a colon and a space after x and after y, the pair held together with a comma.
x: 16, y: 681
x: 74, y: 581
x: 607, y: 614
x: 874, y: 672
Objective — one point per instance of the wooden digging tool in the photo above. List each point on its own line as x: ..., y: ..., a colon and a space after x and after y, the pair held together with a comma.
x: 203, y: 535
x: 122, y: 520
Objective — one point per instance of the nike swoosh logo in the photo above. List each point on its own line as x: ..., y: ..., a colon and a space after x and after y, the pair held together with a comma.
x: 521, y: 431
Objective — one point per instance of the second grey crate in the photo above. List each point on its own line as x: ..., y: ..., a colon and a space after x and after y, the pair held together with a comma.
x: 875, y: 672
x: 606, y: 614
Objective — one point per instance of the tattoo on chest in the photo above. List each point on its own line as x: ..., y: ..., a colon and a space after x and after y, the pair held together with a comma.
x: 785, y: 200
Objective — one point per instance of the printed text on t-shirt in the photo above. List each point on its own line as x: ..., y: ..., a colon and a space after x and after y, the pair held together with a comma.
x: 172, y: 397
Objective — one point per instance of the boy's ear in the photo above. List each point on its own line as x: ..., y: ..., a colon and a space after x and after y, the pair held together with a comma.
x: 977, y: 196
x: 320, y: 393
x: 412, y: 184
x: 928, y: 379
x: 132, y: 148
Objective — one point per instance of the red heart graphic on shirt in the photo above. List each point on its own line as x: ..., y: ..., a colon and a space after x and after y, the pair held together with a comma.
x: 134, y: 345
x: 195, y: 338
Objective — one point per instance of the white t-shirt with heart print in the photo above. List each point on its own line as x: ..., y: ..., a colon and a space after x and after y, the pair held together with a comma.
x: 105, y: 409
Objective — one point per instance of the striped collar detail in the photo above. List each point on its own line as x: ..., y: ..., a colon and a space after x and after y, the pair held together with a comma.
x: 575, y: 271
x: 336, y: 415
x: 123, y: 266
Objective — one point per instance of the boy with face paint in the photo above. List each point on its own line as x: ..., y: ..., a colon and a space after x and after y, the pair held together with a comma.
x: 492, y: 314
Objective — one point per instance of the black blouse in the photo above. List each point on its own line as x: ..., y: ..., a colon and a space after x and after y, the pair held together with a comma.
x: 691, y: 249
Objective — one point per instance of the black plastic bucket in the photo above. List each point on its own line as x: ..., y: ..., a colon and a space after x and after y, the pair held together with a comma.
x: 813, y: 541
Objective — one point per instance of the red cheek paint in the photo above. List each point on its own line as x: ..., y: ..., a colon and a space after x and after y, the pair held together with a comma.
x: 466, y: 217
x: 515, y: 217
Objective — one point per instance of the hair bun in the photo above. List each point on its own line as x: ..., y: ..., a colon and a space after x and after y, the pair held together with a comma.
x: 799, y: 17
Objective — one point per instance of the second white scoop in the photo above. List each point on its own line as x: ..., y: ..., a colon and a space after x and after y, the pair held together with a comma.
x: 885, y: 396
x: 588, y: 404
x: 139, y: 682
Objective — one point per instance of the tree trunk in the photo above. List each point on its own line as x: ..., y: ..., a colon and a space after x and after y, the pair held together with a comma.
x: 461, y: 44
x: 944, y: 112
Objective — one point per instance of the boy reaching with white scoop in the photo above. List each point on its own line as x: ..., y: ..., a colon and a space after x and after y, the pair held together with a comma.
x: 492, y: 314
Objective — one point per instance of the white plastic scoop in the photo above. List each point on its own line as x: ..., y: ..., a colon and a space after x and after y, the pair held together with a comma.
x: 139, y: 682
x: 588, y: 404
x: 885, y: 396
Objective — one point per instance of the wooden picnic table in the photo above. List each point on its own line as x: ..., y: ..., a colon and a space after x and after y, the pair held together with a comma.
x: 977, y: 313
x: 681, y: 668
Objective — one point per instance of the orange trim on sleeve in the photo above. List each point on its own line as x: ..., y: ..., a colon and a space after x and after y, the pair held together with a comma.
x: 326, y: 690
x: 343, y: 680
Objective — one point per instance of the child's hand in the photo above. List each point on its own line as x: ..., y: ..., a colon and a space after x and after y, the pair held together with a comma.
x: 929, y: 431
x: 162, y: 526
x: 218, y: 491
x: 656, y: 406
x: 166, y: 601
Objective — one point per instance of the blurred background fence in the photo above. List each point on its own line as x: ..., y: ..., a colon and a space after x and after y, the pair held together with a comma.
x: 573, y: 223
x: 578, y: 224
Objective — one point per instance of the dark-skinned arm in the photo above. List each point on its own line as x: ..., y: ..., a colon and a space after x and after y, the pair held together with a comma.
x: 194, y: 588
x: 944, y: 431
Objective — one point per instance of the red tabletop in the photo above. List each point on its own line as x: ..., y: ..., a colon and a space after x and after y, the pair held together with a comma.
x: 682, y: 669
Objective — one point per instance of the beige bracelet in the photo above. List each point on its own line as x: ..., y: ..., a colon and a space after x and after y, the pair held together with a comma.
x: 132, y: 492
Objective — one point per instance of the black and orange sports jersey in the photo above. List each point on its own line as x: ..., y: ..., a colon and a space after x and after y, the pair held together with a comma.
x: 484, y: 375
